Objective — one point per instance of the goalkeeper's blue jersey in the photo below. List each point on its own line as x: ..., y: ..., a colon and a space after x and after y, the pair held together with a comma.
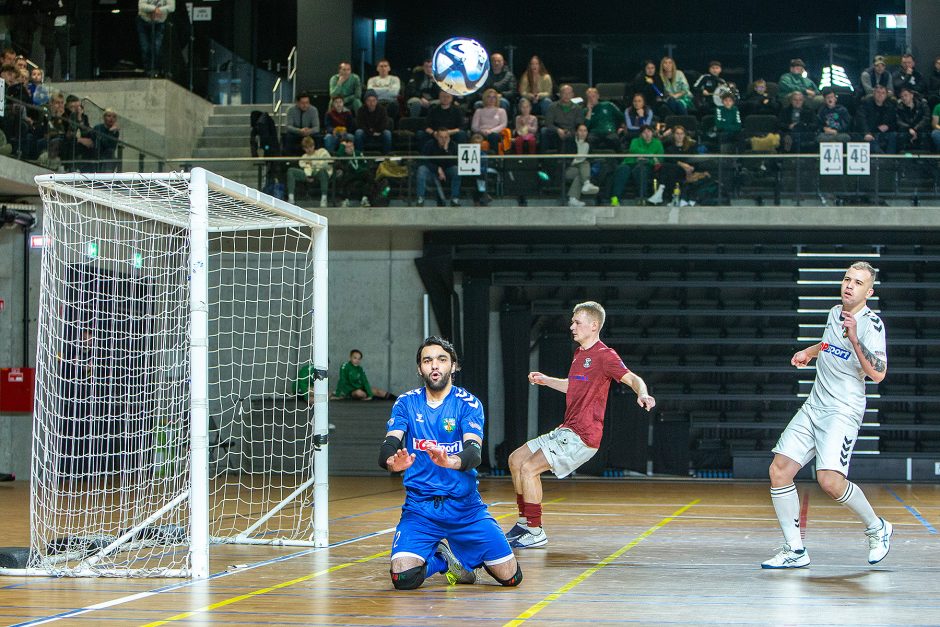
x: 445, y: 426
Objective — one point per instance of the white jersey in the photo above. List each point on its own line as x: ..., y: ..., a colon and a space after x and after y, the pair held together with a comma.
x: 840, y: 380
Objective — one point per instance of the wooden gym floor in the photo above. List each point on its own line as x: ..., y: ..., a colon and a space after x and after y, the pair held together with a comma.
x: 647, y: 552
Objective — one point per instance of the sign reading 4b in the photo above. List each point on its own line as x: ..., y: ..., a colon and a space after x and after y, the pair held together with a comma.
x: 830, y: 158
x: 468, y: 159
x: 858, y: 157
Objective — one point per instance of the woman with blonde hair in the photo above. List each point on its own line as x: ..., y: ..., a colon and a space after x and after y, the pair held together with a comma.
x: 678, y: 97
x: 536, y: 85
x: 490, y: 119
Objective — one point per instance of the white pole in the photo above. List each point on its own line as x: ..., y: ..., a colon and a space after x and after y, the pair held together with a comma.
x: 321, y: 419
x: 427, y: 317
x: 199, y: 373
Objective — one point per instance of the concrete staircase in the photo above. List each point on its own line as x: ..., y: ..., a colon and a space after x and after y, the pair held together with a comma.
x: 226, y: 135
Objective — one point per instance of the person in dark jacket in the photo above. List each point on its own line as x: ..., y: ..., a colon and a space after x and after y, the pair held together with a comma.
x: 797, y: 125
x: 913, y: 121
x: 439, y: 171
x: 372, y: 124
x: 878, y: 121
x: 834, y: 119
x: 758, y: 102
x: 908, y: 76
x: 106, y: 136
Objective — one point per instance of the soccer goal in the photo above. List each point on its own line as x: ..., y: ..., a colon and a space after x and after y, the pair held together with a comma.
x: 181, y: 318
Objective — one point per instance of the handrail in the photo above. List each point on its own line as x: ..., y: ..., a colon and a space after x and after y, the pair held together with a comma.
x: 292, y: 72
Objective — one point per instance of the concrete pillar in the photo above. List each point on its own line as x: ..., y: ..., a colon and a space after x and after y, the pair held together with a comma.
x: 324, y: 38
x: 922, y: 19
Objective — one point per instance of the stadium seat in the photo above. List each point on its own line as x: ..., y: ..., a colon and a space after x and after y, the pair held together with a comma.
x: 615, y: 92
x: 690, y: 122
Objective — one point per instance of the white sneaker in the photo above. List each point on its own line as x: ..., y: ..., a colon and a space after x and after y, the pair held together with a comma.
x: 787, y: 558
x: 533, y: 538
x: 345, y: 203
x: 657, y: 196
x: 879, y: 542
x: 589, y: 188
x: 290, y: 198
x: 323, y: 201
x: 364, y: 202
x: 574, y: 202
x: 456, y: 573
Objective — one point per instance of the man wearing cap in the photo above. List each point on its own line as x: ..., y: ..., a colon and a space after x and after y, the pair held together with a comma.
x: 372, y: 124
x: 795, y: 81
x: 877, y: 74
x: 907, y: 76
x: 706, y: 88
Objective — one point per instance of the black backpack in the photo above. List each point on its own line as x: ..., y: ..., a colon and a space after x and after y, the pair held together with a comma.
x: 264, y: 135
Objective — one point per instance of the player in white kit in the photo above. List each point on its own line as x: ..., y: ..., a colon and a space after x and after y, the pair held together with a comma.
x: 826, y: 426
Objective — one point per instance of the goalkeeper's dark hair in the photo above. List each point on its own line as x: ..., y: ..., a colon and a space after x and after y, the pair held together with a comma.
x: 436, y: 340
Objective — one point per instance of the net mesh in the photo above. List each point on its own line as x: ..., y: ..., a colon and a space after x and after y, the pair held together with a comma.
x: 111, y: 445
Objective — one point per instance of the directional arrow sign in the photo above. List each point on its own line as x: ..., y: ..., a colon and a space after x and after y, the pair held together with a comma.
x: 830, y: 159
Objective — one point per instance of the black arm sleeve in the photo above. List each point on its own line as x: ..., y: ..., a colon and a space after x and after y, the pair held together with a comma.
x: 471, y: 455
x: 390, y: 446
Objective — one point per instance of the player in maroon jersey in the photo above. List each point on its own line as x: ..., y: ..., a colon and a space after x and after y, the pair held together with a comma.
x: 565, y: 449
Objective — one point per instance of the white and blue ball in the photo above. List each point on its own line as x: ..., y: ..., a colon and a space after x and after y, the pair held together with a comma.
x: 460, y: 66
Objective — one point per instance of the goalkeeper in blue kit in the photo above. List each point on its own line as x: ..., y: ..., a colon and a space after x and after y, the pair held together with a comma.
x: 435, y: 436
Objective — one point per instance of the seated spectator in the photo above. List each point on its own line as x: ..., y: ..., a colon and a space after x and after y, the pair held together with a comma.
x: 527, y: 127
x: 53, y: 132
x: 22, y: 66
x: 314, y: 165
x: 649, y: 84
x: 907, y: 76
x: 536, y: 85
x: 489, y: 120
x: 640, y: 167
x: 675, y: 174
x: 439, y: 171
x: 636, y: 117
x: 480, y: 197
x: 913, y: 121
x: 106, y: 136
x: 728, y: 124
x: 372, y: 125
x: 339, y: 124
x: 444, y: 114
x: 933, y: 84
x: 706, y: 86
x: 878, y: 121
x: 16, y: 120
x: 835, y: 123
x: 794, y: 80
x: 603, y: 119
x: 877, y: 74
x: 354, y: 384
x: 151, y: 21
x: 935, y: 127
x: 422, y: 90
x: 503, y: 81
x: 797, y: 125
x: 758, y: 102
x: 563, y: 117
x: 678, y: 96
x: 303, y: 120
x: 386, y: 87
x: 348, y: 85
x: 353, y: 175
x: 78, y: 147
x: 37, y: 90
x: 8, y: 57
x: 579, y: 172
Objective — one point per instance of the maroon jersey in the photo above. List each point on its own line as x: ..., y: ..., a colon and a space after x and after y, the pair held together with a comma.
x: 589, y: 379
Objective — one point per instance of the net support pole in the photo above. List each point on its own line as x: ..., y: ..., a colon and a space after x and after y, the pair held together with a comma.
x: 321, y: 389
x: 199, y: 371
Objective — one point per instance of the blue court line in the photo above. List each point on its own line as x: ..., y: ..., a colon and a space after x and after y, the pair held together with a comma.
x: 913, y: 511
x: 185, y: 584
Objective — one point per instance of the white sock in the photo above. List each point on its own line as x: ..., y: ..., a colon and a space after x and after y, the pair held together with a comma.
x: 323, y: 197
x: 787, y: 505
x: 855, y: 500
x: 290, y: 198
x: 523, y: 522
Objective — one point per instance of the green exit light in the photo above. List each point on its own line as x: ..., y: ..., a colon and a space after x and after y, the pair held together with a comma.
x: 138, y: 260
x: 92, y: 249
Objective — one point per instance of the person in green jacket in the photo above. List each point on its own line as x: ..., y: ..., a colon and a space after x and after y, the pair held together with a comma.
x: 795, y: 81
x: 353, y: 382
x: 348, y: 85
x: 640, y: 167
x: 604, y: 121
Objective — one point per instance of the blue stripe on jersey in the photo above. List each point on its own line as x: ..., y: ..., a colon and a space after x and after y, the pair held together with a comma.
x: 445, y: 426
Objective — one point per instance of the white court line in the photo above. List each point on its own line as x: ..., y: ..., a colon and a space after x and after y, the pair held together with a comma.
x: 183, y: 584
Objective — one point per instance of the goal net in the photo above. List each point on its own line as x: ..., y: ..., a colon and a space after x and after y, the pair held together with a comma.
x: 179, y: 396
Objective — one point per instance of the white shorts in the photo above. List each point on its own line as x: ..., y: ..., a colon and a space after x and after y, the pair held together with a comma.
x: 829, y: 435
x: 563, y: 450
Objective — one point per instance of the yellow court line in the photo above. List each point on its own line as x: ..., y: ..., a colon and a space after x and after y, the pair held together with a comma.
x: 284, y: 584
x: 541, y: 605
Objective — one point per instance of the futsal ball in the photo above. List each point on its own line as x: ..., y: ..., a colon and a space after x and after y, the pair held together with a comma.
x: 460, y: 66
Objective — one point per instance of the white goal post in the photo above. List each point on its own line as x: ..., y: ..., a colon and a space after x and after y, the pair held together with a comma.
x: 181, y: 398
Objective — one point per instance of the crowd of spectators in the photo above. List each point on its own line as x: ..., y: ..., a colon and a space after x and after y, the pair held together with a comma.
x: 50, y: 128
x: 895, y: 111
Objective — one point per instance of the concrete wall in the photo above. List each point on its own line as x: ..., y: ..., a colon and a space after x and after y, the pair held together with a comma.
x: 166, y: 118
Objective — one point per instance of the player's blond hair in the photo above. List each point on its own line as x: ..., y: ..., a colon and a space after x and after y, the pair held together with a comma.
x: 593, y: 309
x: 867, y: 267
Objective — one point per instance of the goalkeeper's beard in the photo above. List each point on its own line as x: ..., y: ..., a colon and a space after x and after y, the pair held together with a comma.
x: 438, y: 385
